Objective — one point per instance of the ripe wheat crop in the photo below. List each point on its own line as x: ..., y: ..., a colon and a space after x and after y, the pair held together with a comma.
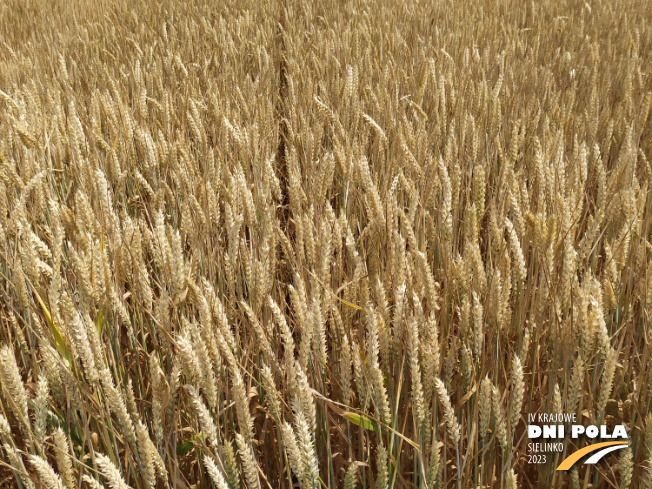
x: 322, y: 244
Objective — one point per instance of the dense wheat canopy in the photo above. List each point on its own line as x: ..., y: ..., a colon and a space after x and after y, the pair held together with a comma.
x: 322, y: 244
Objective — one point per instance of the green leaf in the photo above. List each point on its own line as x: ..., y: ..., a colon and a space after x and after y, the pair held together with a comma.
x: 99, y: 324
x: 184, y: 448
x: 362, y: 421
x: 58, y: 337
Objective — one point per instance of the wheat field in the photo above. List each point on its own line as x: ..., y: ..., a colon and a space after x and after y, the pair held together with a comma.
x: 331, y: 244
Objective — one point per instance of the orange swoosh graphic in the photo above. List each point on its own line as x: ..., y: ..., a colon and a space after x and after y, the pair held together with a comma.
x: 574, y: 457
